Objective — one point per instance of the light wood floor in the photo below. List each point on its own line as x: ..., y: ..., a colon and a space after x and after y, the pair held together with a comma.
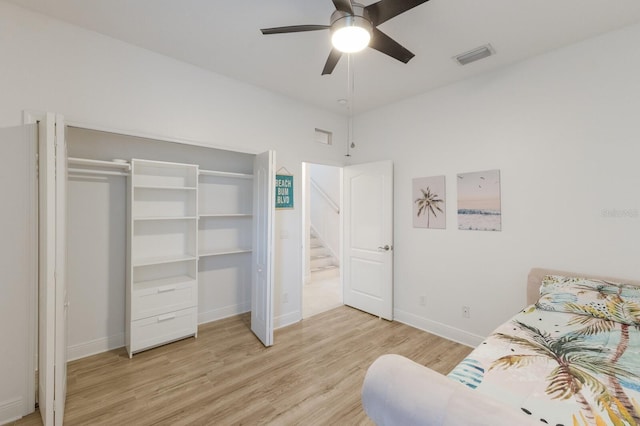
x: 321, y: 295
x: 311, y: 376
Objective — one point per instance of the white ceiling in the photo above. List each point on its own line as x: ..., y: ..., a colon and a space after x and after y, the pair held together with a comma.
x: 224, y: 37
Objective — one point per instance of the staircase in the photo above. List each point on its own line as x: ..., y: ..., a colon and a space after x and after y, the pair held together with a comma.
x: 323, y: 264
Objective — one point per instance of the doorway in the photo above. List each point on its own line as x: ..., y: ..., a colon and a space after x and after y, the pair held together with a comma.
x: 322, y: 231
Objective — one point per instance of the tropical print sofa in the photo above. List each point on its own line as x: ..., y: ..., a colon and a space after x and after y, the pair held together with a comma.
x: 570, y: 358
x: 573, y: 358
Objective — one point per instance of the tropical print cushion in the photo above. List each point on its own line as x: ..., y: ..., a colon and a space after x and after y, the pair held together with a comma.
x: 601, y: 299
x: 560, y: 368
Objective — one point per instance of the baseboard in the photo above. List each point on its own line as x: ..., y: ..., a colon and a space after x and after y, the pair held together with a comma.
x: 437, y: 328
x: 225, y: 312
x: 96, y: 346
x: 229, y: 311
x: 11, y: 410
x: 287, y: 319
x: 105, y: 344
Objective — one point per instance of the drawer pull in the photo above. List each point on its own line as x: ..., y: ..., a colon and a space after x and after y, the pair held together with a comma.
x: 166, y: 288
x: 166, y: 317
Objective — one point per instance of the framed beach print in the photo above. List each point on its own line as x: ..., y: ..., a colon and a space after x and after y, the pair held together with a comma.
x: 479, y: 205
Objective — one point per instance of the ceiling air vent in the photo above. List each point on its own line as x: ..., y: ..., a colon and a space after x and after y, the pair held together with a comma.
x: 475, y: 54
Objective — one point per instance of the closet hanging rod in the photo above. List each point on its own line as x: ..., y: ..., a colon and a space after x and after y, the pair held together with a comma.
x: 204, y: 172
x: 72, y: 171
x: 99, y: 163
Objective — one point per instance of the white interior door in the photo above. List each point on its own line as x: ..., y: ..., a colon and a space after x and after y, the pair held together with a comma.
x: 18, y: 269
x: 52, y: 262
x: 263, y: 249
x: 368, y: 238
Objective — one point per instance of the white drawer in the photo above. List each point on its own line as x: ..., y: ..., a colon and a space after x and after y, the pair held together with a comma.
x: 160, y: 329
x: 150, y: 301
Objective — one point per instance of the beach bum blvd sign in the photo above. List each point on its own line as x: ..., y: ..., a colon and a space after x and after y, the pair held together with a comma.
x: 284, y: 192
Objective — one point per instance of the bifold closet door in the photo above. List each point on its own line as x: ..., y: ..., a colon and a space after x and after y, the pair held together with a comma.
x: 263, y: 247
x: 19, y: 270
x: 52, y: 293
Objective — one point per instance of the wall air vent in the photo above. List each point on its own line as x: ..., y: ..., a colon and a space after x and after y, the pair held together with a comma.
x: 475, y: 54
x: 323, y: 137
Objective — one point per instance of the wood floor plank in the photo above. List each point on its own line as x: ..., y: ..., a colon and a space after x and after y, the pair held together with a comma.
x: 312, y: 375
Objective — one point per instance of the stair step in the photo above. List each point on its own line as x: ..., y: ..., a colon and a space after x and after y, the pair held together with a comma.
x: 325, y: 273
x: 321, y: 262
x: 321, y: 256
x: 319, y: 251
x: 324, y: 268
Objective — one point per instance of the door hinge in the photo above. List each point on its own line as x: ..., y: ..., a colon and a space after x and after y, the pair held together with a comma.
x: 55, y: 154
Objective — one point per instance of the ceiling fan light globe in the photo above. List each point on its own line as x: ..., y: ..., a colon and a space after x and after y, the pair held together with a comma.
x: 350, y: 39
x: 351, y: 33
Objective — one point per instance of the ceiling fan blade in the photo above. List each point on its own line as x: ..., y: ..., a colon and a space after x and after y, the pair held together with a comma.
x: 343, y: 6
x: 332, y: 61
x: 384, y: 10
x: 294, y: 29
x: 385, y: 44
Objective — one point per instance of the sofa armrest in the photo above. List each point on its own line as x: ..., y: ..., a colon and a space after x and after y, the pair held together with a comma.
x: 398, y: 391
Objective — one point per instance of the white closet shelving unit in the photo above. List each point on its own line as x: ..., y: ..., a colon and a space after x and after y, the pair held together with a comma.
x: 225, y: 213
x: 162, y: 283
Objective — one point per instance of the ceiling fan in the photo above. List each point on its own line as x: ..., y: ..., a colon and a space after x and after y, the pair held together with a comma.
x: 354, y: 27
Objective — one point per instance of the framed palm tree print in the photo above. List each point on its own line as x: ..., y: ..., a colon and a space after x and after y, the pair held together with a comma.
x: 429, y: 202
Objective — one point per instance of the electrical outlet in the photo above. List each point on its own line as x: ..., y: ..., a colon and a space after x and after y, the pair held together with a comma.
x: 285, y: 297
x: 466, y: 312
x: 423, y: 301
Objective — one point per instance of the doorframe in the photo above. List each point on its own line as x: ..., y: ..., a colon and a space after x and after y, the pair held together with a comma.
x: 306, y: 222
x: 33, y: 117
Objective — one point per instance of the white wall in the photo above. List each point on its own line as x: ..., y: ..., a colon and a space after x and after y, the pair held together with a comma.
x: 324, y: 217
x: 96, y: 249
x: 563, y: 129
x: 48, y: 65
x: 18, y: 268
x: 328, y: 178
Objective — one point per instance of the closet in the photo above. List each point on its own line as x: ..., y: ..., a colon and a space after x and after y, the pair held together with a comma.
x: 162, y: 237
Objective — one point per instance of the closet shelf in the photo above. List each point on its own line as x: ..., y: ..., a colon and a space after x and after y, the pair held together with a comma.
x: 121, y: 164
x: 168, y: 281
x: 223, y: 252
x: 82, y: 172
x: 150, y: 218
x: 182, y: 188
x: 164, y: 259
x: 216, y: 173
x: 222, y: 215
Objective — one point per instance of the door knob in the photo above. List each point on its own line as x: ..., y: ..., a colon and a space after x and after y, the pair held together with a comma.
x: 387, y: 247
